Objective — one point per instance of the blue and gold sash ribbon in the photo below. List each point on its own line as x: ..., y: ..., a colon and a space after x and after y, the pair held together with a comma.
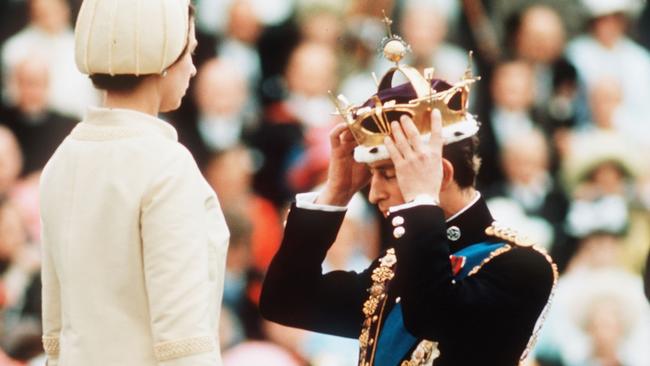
x: 394, y: 340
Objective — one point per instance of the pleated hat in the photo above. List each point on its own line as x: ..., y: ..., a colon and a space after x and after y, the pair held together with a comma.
x: 130, y: 37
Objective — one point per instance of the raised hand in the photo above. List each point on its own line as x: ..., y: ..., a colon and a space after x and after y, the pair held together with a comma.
x: 345, y: 176
x: 418, y: 164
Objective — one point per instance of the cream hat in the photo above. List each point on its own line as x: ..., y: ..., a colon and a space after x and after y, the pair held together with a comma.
x: 598, y: 8
x: 130, y: 37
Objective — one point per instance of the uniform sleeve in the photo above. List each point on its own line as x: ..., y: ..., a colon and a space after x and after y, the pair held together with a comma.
x: 175, y: 254
x: 517, y: 281
x: 51, y: 295
x: 296, y: 293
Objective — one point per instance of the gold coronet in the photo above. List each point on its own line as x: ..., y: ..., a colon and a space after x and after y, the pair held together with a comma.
x: 371, y: 124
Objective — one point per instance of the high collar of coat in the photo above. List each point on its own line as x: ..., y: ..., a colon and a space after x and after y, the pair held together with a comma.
x: 469, y: 226
x: 112, y: 123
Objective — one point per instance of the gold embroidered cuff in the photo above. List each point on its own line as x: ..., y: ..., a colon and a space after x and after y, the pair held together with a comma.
x: 175, y: 349
x: 51, y: 345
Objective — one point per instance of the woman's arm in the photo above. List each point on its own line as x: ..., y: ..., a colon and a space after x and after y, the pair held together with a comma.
x: 176, y: 256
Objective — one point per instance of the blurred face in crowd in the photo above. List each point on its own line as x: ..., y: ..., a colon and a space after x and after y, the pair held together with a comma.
x: 599, y: 251
x: 243, y: 23
x: 424, y: 27
x: 608, y: 178
x: 525, y: 160
x: 51, y: 15
x: 221, y: 88
x: 608, y: 29
x: 31, y: 82
x: 12, y: 232
x: 541, y: 35
x: 606, y: 328
x: 312, y: 70
x: 10, y: 160
x: 321, y: 27
x: 513, y: 86
x: 230, y: 174
x: 174, y: 85
x: 605, y: 96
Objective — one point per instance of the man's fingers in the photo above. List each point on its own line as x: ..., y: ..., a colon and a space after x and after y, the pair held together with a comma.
x: 335, y: 134
x: 394, y: 153
x: 347, y: 136
x: 436, y: 141
x: 401, y: 142
x: 412, y: 133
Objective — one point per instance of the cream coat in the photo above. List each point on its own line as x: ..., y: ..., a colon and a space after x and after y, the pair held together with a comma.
x: 134, y: 247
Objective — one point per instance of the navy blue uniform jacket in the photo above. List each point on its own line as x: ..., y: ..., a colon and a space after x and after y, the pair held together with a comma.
x: 485, y: 319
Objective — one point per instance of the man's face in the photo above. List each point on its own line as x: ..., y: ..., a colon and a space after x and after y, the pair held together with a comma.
x: 384, y: 189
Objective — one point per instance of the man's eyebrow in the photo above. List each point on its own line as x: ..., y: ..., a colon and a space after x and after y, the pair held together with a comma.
x: 380, y: 168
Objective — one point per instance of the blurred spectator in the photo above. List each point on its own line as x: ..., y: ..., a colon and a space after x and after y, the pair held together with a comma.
x: 10, y: 161
x: 513, y: 96
x: 606, y: 51
x: 361, y: 37
x: 38, y: 128
x: 501, y: 12
x: 540, y: 205
x: 221, y: 95
x: 600, y: 225
x: 600, y: 167
x: 19, y: 267
x: 230, y: 330
x: 238, y: 44
x: 598, y: 317
x: 24, y: 343
x: 239, y: 311
x: 310, y: 74
x: 424, y: 26
x: 320, y: 21
x: 230, y: 175
x: 212, y: 15
x: 50, y: 37
x: 538, y: 36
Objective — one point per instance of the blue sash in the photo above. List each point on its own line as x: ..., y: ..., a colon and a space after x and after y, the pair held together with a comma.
x: 394, y: 340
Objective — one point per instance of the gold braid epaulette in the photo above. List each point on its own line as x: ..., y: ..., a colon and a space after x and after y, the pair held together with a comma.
x: 373, y: 308
x: 510, y: 236
x: 513, y: 238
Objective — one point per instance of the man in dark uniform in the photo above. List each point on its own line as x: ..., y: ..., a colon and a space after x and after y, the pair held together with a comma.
x: 453, y: 289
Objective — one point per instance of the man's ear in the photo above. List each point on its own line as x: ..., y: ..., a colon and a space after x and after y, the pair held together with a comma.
x: 447, y: 174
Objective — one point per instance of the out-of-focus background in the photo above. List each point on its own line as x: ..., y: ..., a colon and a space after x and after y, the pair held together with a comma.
x: 564, y: 102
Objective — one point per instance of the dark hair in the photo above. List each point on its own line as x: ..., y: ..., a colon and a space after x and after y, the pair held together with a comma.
x: 125, y: 83
x: 463, y: 155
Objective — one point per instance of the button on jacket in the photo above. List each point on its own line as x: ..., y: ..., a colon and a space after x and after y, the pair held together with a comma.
x: 134, y: 246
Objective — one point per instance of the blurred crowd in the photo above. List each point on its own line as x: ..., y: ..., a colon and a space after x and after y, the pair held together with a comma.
x: 564, y: 102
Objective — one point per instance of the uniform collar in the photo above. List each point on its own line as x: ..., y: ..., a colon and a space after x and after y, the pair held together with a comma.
x: 112, y: 123
x: 468, y: 226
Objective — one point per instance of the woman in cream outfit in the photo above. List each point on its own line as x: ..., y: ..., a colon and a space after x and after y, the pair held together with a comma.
x: 134, y: 241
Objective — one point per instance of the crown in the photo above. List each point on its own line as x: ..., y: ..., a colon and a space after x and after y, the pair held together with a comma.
x: 370, y: 122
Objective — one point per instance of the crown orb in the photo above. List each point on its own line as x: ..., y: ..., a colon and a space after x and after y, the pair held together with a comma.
x: 394, y: 50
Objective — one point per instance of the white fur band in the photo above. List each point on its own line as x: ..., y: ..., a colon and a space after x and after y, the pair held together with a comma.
x: 450, y: 134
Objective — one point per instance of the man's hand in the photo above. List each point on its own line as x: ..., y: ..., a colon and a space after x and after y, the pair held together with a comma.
x: 345, y: 176
x: 418, y: 164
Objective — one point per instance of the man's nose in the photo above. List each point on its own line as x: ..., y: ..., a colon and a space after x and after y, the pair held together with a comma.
x: 376, y: 193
